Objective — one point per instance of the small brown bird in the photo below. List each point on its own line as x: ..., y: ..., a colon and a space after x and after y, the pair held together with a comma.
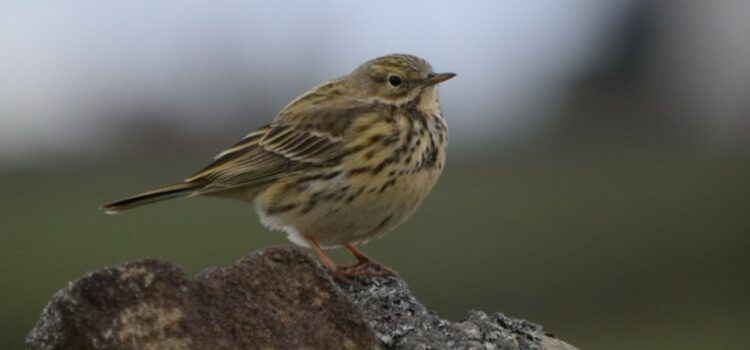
x: 345, y: 162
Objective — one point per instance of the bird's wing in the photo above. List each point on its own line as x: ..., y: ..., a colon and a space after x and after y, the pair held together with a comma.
x: 298, y: 139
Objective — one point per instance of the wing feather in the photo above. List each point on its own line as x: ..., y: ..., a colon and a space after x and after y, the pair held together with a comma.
x: 282, y: 150
x: 248, y: 141
x: 305, y: 134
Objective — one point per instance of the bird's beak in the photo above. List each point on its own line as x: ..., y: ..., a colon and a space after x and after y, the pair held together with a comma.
x: 435, y: 78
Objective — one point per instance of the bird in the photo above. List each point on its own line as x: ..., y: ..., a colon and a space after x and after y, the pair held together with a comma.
x: 343, y: 163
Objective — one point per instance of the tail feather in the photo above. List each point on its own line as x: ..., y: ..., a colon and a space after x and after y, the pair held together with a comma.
x: 156, y: 195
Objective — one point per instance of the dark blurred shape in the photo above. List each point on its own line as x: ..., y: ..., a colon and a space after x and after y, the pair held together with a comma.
x: 667, y: 77
x: 616, y: 100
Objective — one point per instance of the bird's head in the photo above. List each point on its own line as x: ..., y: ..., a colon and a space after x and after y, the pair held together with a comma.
x: 395, y: 79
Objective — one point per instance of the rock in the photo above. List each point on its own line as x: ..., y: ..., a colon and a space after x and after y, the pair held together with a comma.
x: 400, y: 321
x: 276, y: 298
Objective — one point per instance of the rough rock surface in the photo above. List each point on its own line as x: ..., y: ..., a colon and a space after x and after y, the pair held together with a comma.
x: 277, y: 298
x: 400, y: 321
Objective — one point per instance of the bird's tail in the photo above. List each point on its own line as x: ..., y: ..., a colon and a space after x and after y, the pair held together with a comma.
x: 156, y: 195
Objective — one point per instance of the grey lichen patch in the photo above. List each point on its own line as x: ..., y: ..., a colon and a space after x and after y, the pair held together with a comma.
x: 400, y: 321
x: 146, y: 326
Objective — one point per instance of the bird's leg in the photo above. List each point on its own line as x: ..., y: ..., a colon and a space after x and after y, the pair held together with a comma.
x: 324, y: 258
x: 364, y: 267
x: 361, y: 257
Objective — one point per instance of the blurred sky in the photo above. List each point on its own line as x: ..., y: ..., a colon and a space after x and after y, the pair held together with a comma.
x: 72, y: 72
x: 68, y: 69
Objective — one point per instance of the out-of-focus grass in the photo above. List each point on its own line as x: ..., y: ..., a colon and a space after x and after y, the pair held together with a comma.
x: 608, y: 249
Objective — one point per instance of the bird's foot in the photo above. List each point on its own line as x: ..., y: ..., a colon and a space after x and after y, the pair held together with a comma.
x: 368, y: 268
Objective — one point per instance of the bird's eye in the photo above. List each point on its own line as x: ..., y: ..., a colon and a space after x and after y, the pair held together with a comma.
x: 394, y: 80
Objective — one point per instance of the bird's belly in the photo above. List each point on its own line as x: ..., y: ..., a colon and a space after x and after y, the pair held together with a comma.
x: 346, y: 209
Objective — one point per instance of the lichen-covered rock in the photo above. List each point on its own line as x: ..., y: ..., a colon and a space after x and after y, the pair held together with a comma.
x: 401, y: 322
x: 277, y: 298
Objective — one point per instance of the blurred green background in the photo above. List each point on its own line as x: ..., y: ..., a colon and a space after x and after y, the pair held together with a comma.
x: 597, y: 180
